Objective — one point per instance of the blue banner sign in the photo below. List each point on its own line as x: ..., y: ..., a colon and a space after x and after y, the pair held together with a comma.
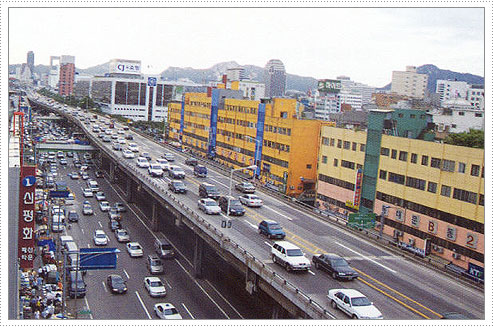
x: 59, y: 194
x: 97, y: 259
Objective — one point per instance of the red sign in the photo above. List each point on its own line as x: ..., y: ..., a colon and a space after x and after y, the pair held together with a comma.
x: 357, y: 188
x: 26, y: 217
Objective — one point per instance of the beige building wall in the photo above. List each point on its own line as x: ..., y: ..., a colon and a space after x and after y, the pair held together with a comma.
x: 409, y: 83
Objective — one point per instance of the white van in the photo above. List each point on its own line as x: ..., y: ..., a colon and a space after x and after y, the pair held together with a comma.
x: 57, y: 223
x: 69, y: 200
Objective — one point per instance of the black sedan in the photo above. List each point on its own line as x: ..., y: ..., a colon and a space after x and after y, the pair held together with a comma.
x: 116, y: 284
x: 335, y: 265
x: 177, y: 186
x: 114, y: 225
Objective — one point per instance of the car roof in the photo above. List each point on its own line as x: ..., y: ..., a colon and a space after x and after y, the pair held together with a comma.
x: 332, y: 256
x: 133, y: 243
x: 287, y: 245
x: 349, y: 292
x: 268, y: 221
x: 153, y: 279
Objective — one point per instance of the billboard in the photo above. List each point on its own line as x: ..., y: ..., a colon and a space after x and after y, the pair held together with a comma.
x: 125, y: 66
x: 26, y: 217
x: 329, y: 85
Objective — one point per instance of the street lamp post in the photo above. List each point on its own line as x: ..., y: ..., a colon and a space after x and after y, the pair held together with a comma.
x: 231, y: 181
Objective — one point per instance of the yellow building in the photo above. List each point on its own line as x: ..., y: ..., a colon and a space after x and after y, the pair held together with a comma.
x: 268, y: 134
x: 424, y: 190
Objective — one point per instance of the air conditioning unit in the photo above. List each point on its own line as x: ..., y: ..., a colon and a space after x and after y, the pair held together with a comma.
x: 456, y: 256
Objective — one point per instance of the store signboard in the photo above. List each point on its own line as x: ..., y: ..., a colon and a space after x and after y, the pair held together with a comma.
x: 26, y: 244
x: 329, y: 85
x: 125, y: 67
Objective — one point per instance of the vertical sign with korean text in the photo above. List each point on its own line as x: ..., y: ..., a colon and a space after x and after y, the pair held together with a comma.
x: 26, y: 217
x: 357, y: 188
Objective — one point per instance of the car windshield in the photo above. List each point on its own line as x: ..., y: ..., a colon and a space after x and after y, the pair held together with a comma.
x: 155, y: 166
x: 339, y: 263
x: 135, y: 247
x: 178, y: 169
x: 210, y: 189
x: 156, y: 283
x: 171, y: 311
x: 122, y: 233
x: 234, y: 203
x: 178, y: 183
x: 274, y: 227
x: 118, y: 281
x: 156, y: 263
x: 210, y: 203
x: 294, y: 253
x: 360, y: 301
x: 248, y: 185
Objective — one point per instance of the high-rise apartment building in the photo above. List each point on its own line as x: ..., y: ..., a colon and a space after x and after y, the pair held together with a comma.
x: 67, y: 75
x: 275, y: 78
x: 451, y: 89
x: 30, y: 61
x: 409, y: 83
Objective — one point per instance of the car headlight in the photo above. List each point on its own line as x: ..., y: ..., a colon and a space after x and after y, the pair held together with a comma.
x: 115, y: 289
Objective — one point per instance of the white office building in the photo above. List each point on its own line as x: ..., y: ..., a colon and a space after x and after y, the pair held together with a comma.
x: 451, y: 90
x: 457, y: 116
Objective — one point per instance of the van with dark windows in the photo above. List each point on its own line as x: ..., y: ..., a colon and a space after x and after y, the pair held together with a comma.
x: 164, y: 249
x: 200, y: 171
x: 207, y: 190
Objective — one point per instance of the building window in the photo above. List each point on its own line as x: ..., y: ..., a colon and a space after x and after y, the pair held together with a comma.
x: 413, y: 116
x: 347, y: 164
x: 394, y: 154
x: 435, y: 162
x: 448, y: 165
x: 461, y: 113
x: 383, y: 174
x: 332, y: 141
x: 403, y: 156
x: 416, y: 183
x: 384, y: 152
x: 335, y: 163
x: 362, y: 147
x: 462, y: 168
x: 414, y: 158
x: 424, y: 160
x: 396, y: 178
x: 339, y: 144
x: 354, y: 146
x: 445, y: 191
x: 432, y: 187
x: 347, y: 144
x: 475, y: 170
x: 324, y: 159
x: 358, y: 166
x: 401, y: 115
x: 308, y: 166
x: 481, y: 200
x: 465, y: 196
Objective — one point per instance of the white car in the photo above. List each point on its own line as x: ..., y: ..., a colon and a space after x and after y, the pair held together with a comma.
x: 87, y: 193
x: 122, y: 141
x: 290, y: 256
x: 163, y: 163
x: 209, y: 206
x: 169, y: 156
x: 128, y: 154
x: 154, y: 286
x: 121, y: 131
x: 133, y: 147
x: 134, y: 249
x: 166, y: 311
x: 122, y: 235
x: 155, y: 170
x: 87, y: 209
x: 100, y: 196
x: 100, y: 238
x: 353, y: 303
x: 142, y: 162
x: 251, y: 200
x: 176, y: 172
x: 104, y: 206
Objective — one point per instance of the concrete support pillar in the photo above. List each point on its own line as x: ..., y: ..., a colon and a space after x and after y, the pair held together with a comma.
x: 128, y: 190
x: 197, y: 256
x: 112, y: 172
x: 251, y: 280
x: 154, y: 216
x: 278, y: 312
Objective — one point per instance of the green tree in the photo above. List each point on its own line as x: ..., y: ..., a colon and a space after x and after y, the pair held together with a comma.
x: 472, y: 139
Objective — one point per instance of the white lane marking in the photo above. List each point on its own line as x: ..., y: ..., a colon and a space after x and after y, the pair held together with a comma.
x: 183, y: 304
x: 280, y: 214
x: 143, y: 306
x: 126, y: 273
x: 252, y: 225
x: 215, y: 180
x: 268, y: 244
x: 224, y: 299
x: 311, y: 272
x: 100, y: 224
x: 82, y: 230
x: 203, y: 290
x: 367, y: 258
x: 104, y: 286
x: 88, y: 308
x: 167, y: 283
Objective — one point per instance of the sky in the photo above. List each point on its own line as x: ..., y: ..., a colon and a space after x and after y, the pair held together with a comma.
x: 363, y: 43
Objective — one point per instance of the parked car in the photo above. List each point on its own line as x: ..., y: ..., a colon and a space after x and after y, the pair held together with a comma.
x: 353, y: 303
x: 100, y: 237
x: 335, y: 265
x: 245, y: 187
x: 154, y: 286
x: 116, y: 284
x: 209, y: 206
x: 177, y: 186
x: 235, y: 207
x: 290, y: 256
x: 271, y: 228
x: 251, y: 200
x: 134, y: 249
x: 166, y: 311
x: 122, y: 235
